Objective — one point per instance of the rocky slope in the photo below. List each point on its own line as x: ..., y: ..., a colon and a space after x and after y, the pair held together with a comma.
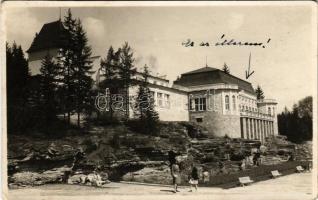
x: 121, y: 154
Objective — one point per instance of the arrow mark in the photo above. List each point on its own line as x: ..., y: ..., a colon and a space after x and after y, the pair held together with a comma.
x: 247, y: 72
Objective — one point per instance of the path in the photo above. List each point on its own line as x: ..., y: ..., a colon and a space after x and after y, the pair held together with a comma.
x: 291, y: 187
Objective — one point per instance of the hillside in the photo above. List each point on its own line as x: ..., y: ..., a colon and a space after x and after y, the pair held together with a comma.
x: 119, y: 153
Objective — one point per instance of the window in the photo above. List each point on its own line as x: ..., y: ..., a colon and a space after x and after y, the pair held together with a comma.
x: 198, y: 104
x: 234, y: 102
x: 167, y: 100
x: 227, y: 102
x: 152, y: 97
x: 199, y: 120
x: 159, y: 99
x: 269, y: 111
x: 152, y: 94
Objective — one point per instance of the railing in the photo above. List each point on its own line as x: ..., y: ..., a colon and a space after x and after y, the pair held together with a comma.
x: 256, y: 115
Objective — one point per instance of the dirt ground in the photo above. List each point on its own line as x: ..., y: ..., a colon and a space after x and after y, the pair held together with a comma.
x: 291, y: 187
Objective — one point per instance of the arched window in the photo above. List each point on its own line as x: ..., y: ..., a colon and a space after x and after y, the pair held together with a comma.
x: 227, y: 102
x: 234, y: 102
x: 269, y: 111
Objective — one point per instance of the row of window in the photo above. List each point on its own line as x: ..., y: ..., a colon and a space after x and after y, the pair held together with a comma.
x: 247, y: 100
x: 247, y: 108
x: 227, y: 102
x: 270, y: 111
x: 198, y: 104
x: 163, y: 100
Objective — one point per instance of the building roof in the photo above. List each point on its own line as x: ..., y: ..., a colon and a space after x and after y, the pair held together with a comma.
x: 203, y: 69
x: 50, y: 36
x: 209, y: 75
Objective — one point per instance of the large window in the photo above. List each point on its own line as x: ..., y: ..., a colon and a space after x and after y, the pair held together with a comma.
x: 227, y: 102
x: 159, y: 99
x: 198, y: 104
x: 167, y: 100
x: 234, y: 102
x: 269, y: 111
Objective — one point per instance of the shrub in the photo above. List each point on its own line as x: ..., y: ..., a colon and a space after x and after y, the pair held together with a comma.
x: 90, y: 145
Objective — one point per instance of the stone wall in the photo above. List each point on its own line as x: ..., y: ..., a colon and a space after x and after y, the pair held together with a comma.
x: 218, y: 124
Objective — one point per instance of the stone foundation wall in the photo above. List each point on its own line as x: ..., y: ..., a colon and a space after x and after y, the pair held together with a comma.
x: 218, y: 124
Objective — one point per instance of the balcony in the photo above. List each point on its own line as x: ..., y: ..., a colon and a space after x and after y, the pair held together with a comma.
x: 256, y: 115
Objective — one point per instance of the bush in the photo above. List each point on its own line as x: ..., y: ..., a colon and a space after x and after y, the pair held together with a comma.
x: 142, y: 127
x: 104, y: 119
x: 90, y: 145
x: 115, y: 142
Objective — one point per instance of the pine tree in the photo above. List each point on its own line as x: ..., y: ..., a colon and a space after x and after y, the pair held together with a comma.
x: 82, y: 71
x: 226, y: 69
x: 259, y: 93
x: 17, y: 88
x: 48, y: 89
x: 66, y: 63
x: 110, y: 67
x: 126, y: 71
x: 144, y: 104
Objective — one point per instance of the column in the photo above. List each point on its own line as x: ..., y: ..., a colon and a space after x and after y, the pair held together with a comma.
x: 258, y: 131
x: 243, y: 128
x: 269, y: 130
x: 273, y: 128
x: 247, y: 129
x: 255, y: 129
x: 264, y: 131
x: 261, y: 130
x: 252, y: 129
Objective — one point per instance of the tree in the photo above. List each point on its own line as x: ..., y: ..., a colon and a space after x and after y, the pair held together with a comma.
x: 82, y: 71
x: 259, y: 93
x: 67, y: 61
x: 110, y: 66
x: 144, y: 104
x: 48, y: 89
x: 297, y: 124
x: 226, y: 69
x: 126, y: 71
x: 17, y: 88
x: 305, y: 107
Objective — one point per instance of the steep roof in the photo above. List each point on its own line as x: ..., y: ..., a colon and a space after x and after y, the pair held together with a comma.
x: 209, y: 75
x: 51, y: 35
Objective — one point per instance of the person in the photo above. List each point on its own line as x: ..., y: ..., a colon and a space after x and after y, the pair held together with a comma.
x: 77, y: 158
x: 221, y: 167
x: 175, y: 172
x: 242, y: 165
x: 206, y: 176
x: 194, y: 179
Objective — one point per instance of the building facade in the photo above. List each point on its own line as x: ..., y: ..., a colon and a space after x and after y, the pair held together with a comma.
x: 227, y: 105
x: 222, y: 103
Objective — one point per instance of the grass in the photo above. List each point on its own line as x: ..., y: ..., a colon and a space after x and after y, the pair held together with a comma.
x: 260, y: 173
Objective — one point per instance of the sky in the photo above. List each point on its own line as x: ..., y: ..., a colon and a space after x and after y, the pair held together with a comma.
x: 284, y: 68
